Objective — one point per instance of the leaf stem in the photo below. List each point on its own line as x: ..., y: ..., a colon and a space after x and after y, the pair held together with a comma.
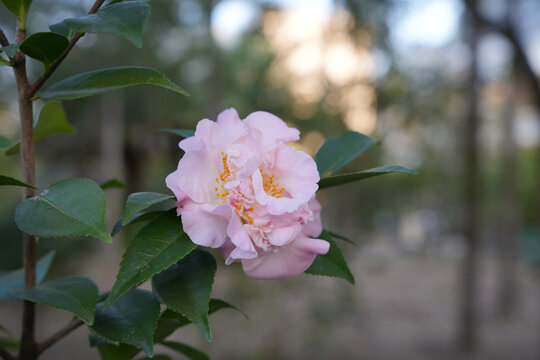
x: 43, y: 78
x: 60, y: 334
x: 5, y: 354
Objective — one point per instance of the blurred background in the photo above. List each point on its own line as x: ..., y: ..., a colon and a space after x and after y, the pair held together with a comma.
x: 446, y: 262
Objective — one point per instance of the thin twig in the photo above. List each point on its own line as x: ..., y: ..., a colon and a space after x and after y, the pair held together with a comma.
x: 3, y: 39
x: 5, y: 354
x: 43, y: 78
x: 66, y: 330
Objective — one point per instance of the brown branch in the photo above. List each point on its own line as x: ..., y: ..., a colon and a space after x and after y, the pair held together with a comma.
x: 27, y: 348
x: 5, y: 354
x: 66, y: 330
x: 3, y: 39
x: 43, y: 78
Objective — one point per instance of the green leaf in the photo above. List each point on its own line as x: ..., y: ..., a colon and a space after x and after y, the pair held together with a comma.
x: 171, y: 320
x: 62, y: 29
x: 159, y: 244
x: 45, y: 47
x: 131, y: 320
x: 112, y: 183
x: 186, y: 350
x: 11, y: 49
x: 15, y: 279
x: 5, y: 142
x: 340, y: 179
x: 185, y: 288
x: 339, y: 151
x: 140, y: 201
x: 139, y: 217
x: 331, y: 264
x: 124, y: 19
x: 18, y: 7
x: 9, y: 181
x: 76, y: 294
x: 52, y: 120
x: 341, y: 237
x: 69, y: 207
x: 4, y: 62
x: 185, y: 133
x: 157, y: 357
x: 116, y: 352
x: 106, y: 80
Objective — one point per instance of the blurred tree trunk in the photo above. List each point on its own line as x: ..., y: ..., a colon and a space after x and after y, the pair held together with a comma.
x: 112, y: 150
x: 508, y: 217
x: 467, y: 306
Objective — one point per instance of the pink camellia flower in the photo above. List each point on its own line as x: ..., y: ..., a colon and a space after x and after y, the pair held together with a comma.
x: 241, y: 189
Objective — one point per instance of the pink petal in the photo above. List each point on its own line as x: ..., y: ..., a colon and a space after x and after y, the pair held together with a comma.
x: 289, y: 260
x: 204, y: 134
x: 243, y: 246
x: 313, y: 228
x: 203, y: 227
x: 271, y: 127
x: 285, y: 232
x: 196, y: 176
x: 295, y: 171
x: 172, y: 183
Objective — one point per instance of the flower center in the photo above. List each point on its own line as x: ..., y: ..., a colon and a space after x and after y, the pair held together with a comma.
x: 271, y: 186
x: 222, y: 178
x: 234, y: 197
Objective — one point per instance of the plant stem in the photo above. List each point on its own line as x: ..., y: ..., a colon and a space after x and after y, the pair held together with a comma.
x: 43, y: 78
x: 3, y: 39
x: 66, y: 330
x: 5, y: 354
x: 28, y: 344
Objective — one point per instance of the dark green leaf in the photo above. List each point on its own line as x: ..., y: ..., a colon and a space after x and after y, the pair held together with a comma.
x: 340, y: 179
x: 339, y: 151
x: 140, y: 201
x: 76, y: 294
x: 185, y: 133
x: 67, y: 208
x: 156, y: 246
x: 171, y: 320
x: 18, y: 7
x: 4, y: 142
x: 185, y: 288
x: 9, y: 181
x: 11, y: 49
x: 62, y: 29
x: 157, y: 357
x: 15, y: 279
x: 331, y: 264
x: 52, y: 120
x: 45, y: 47
x: 130, y: 320
x: 113, y: 183
x: 139, y: 217
x: 102, y: 81
x: 116, y: 352
x: 125, y: 19
x: 187, y: 350
x: 341, y: 237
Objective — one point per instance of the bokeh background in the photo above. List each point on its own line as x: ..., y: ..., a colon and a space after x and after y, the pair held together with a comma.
x: 445, y: 262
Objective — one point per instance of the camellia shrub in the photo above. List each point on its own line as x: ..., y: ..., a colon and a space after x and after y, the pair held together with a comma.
x: 239, y: 188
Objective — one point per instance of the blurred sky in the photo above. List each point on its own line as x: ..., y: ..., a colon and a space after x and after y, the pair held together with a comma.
x: 414, y: 23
